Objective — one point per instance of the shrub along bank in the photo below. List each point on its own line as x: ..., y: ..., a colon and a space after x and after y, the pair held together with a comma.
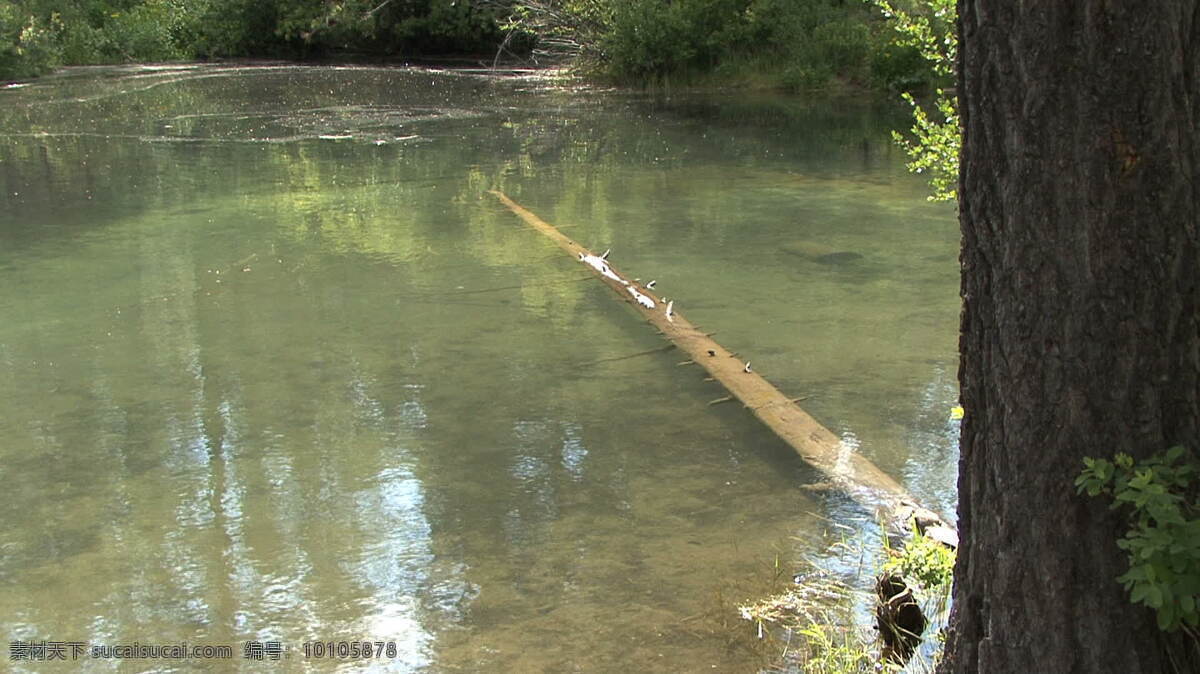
x: 790, y: 44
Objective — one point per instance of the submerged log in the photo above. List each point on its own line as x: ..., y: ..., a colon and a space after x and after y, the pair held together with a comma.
x: 816, y: 445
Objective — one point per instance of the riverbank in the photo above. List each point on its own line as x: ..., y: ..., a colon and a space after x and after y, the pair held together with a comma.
x: 804, y: 46
x: 831, y: 616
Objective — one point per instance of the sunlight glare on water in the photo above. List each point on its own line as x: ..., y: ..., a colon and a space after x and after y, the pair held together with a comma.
x: 274, y: 366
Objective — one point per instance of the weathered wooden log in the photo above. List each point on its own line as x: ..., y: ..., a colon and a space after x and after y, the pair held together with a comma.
x: 816, y: 445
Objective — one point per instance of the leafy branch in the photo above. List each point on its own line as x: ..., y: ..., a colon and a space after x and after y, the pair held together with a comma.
x: 934, y: 152
x: 1163, y: 541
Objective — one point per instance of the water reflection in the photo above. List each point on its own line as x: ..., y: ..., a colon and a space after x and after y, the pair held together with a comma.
x: 281, y: 381
x: 395, y: 568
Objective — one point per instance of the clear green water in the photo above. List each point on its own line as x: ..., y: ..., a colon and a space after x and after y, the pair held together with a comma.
x: 274, y: 366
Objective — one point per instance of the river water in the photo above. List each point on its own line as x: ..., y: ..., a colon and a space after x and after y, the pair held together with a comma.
x: 274, y: 367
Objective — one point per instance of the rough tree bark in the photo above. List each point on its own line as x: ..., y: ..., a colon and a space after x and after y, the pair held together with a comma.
x: 1078, y: 204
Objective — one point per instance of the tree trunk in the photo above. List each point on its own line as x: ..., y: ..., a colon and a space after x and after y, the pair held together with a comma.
x: 1078, y: 204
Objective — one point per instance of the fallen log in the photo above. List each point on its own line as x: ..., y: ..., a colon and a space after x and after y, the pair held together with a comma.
x: 816, y: 445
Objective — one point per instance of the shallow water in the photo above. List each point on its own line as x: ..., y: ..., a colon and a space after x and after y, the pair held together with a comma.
x: 275, y: 367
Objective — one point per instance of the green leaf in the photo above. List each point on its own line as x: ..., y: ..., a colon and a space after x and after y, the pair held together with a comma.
x: 1153, y: 596
x: 1136, y: 573
x: 1166, y: 618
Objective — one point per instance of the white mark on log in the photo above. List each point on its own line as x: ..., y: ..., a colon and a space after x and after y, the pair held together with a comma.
x: 594, y: 261
x: 643, y: 300
x: 597, y: 262
x: 610, y: 274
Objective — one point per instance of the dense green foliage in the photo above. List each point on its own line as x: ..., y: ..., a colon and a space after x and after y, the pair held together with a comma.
x: 928, y: 26
x: 27, y: 45
x: 923, y: 561
x: 1159, y: 495
x: 793, y: 44
x: 36, y: 35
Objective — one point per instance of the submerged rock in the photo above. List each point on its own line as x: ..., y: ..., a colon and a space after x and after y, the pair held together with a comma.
x: 819, y: 252
x: 840, y: 257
